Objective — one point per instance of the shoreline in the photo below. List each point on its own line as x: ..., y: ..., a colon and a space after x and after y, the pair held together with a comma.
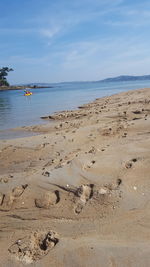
x: 64, y: 114
x: 38, y: 119
x: 6, y: 88
x: 84, y: 181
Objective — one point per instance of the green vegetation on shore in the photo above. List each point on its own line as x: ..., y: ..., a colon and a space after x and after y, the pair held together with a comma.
x: 4, y: 85
x: 3, y: 73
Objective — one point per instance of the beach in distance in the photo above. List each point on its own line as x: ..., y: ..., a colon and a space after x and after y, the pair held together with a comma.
x: 76, y: 193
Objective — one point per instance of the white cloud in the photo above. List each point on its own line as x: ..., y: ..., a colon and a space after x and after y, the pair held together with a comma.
x: 133, y: 15
x: 50, y: 32
x: 47, y: 32
x: 82, y: 43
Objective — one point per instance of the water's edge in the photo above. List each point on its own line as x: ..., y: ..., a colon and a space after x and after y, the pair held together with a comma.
x: 18, y: 111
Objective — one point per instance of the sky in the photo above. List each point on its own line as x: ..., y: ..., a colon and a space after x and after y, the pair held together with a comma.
x: 74, y: 40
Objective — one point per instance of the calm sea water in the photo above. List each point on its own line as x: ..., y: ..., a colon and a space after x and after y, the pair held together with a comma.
x: 18, y: 110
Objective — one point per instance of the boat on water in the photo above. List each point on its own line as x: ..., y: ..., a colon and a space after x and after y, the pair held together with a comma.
x: 27, y: 93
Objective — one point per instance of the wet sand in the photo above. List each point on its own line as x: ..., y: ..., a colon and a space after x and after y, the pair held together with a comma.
x: 78, y: 193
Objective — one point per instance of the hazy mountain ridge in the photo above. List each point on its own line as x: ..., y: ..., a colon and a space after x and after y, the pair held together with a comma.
x: 122, y: 78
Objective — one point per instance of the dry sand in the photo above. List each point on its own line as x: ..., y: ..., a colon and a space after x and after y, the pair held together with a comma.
x: 77, y: 195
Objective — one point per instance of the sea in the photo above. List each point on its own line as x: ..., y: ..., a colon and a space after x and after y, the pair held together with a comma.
x: 17, y: 110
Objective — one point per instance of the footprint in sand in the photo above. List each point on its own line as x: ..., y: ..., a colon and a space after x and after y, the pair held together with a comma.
x: 46, y: 173
x: 8, y: 199
x: 34, y: 247
x: 84, y: 193
x: 48, y: 199
x: 89, y: 165
x: 92, y: 150
x: 137, y: 112
x: 4, y: 180
x: 129, y: 164
x: 1, y: 198
x: 18, y: 191
x: 124, y: 135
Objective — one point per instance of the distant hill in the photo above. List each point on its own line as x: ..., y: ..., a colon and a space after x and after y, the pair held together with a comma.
x: 125, y: 78
x: 122, y: 78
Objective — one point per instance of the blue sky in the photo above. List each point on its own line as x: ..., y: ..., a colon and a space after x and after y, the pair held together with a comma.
x: 74, y: 40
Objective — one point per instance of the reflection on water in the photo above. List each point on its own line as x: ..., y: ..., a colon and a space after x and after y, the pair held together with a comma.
x: 5, y: 109
x: 19, y: 110
x: 3, y: 103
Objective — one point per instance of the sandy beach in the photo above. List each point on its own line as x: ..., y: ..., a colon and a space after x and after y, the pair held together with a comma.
x: 77, y: 194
